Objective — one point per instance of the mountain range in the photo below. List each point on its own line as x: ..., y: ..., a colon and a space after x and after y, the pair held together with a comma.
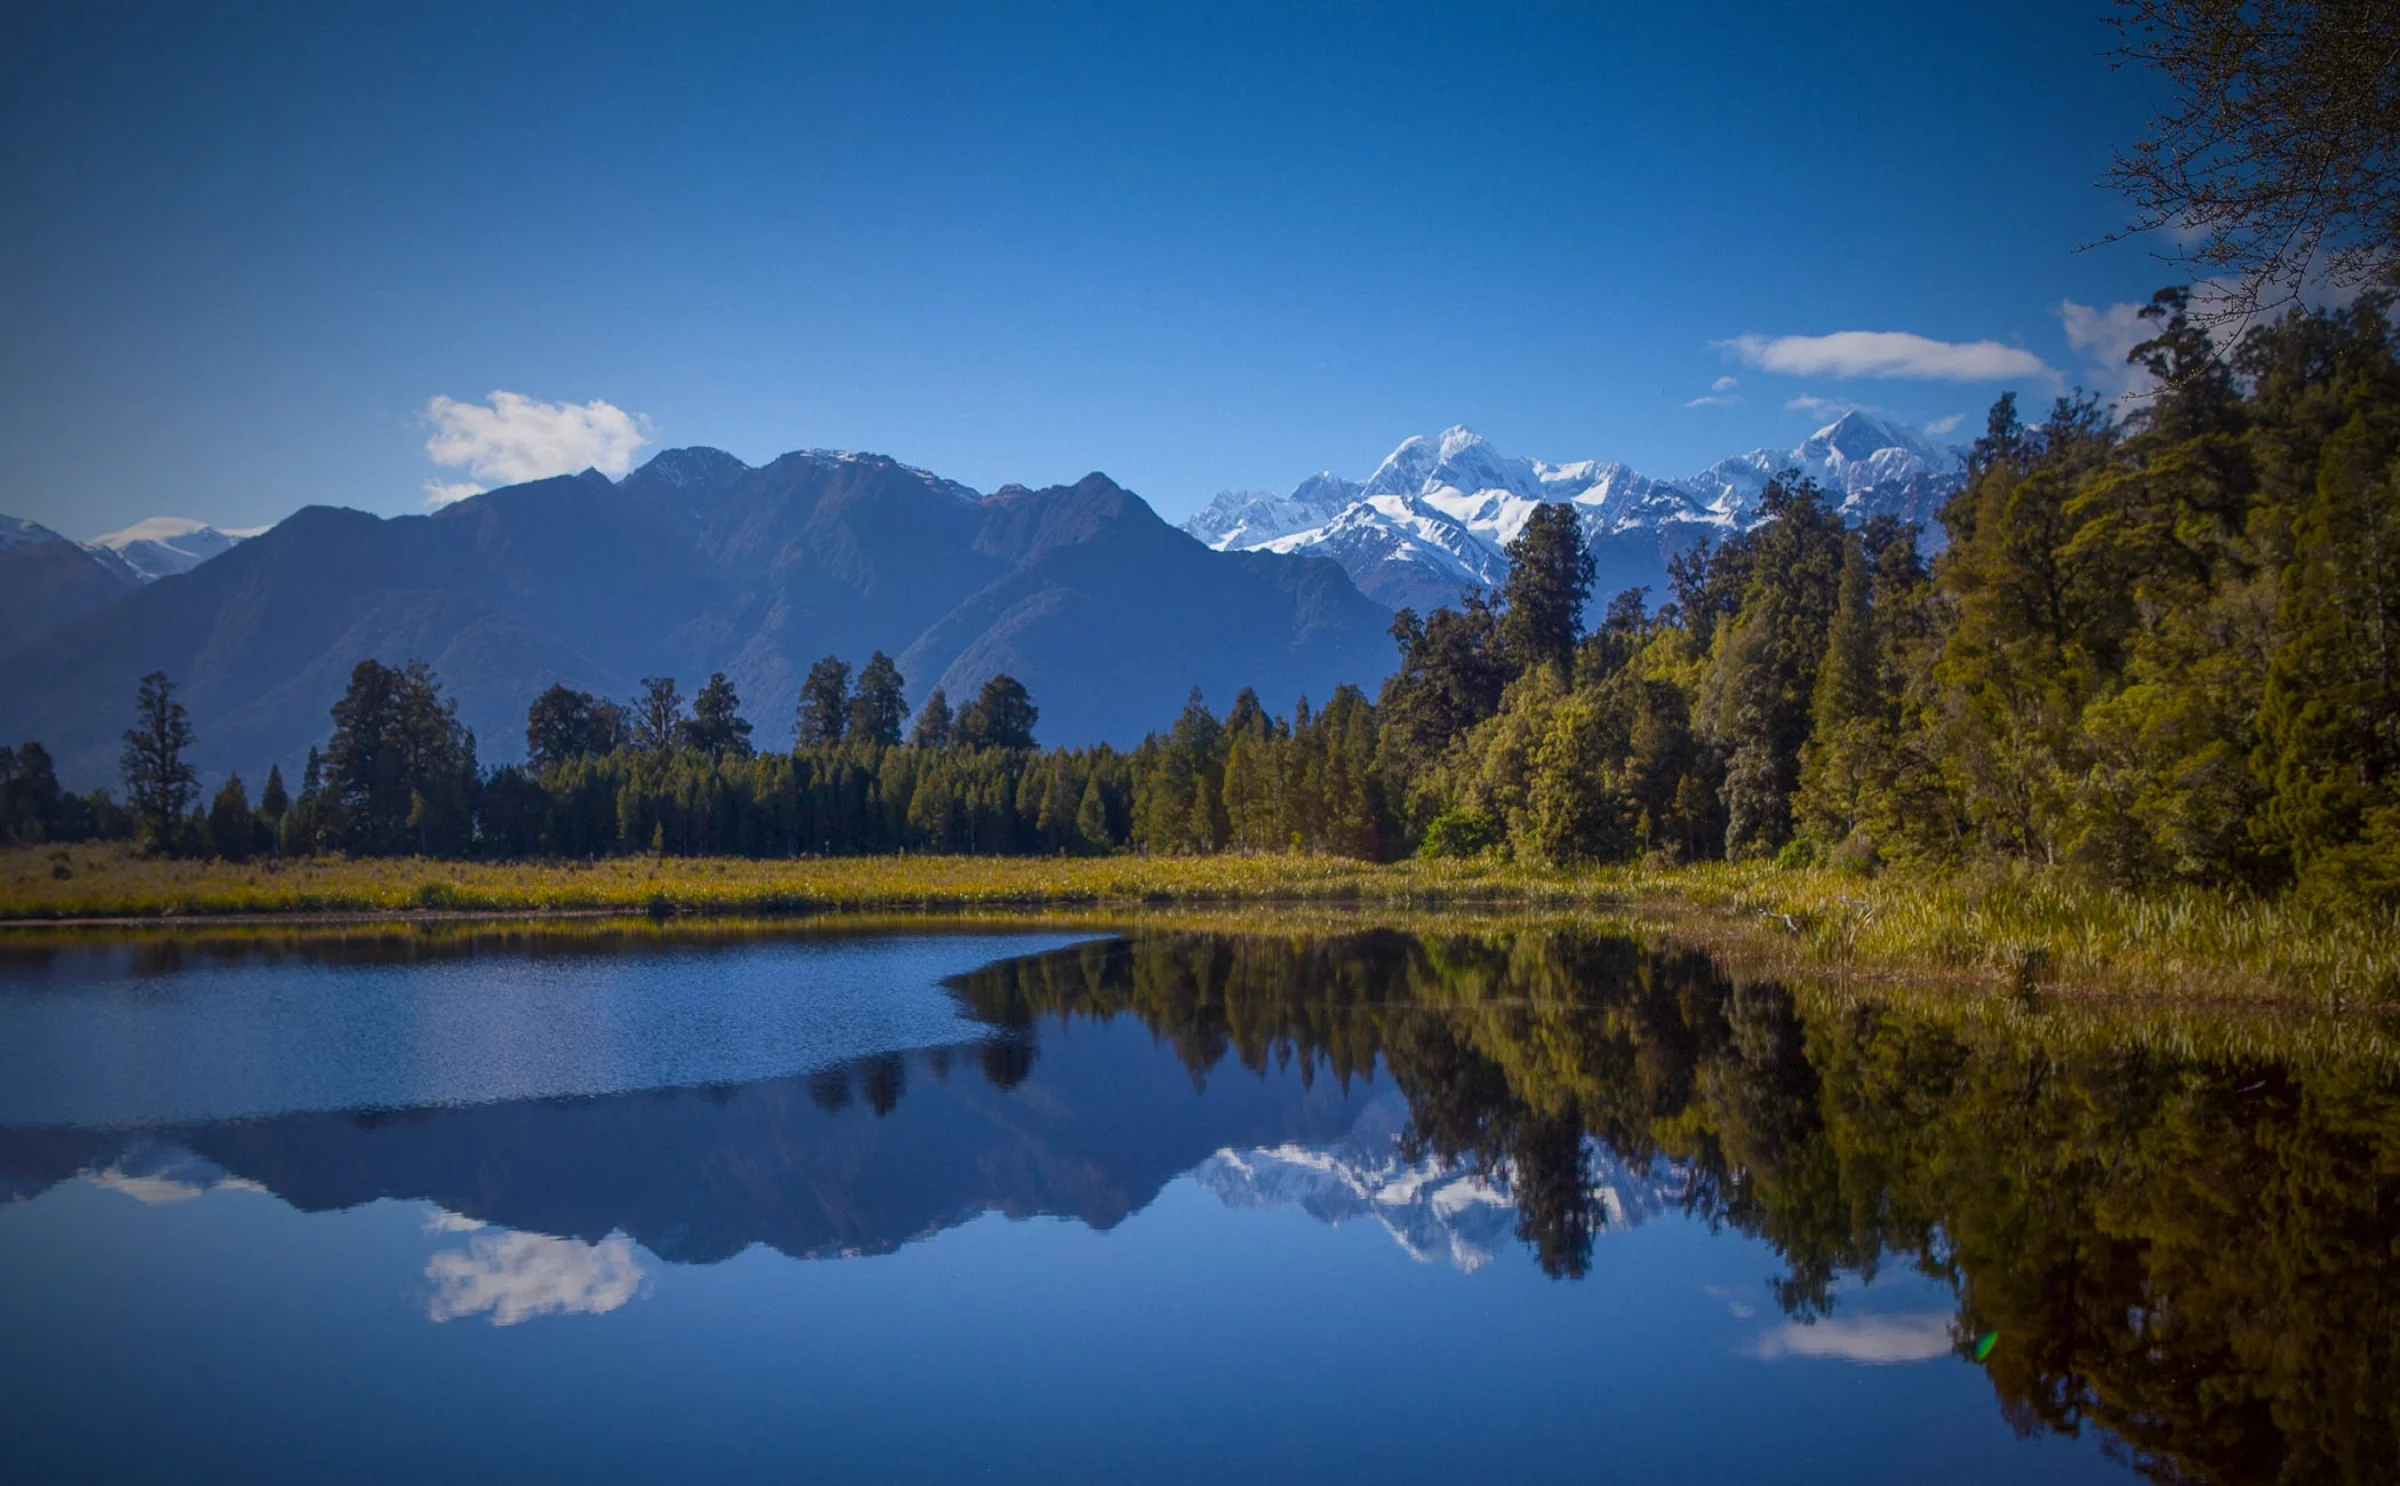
x: 697, y: 562
x: 1434, y: 517
x: 693, y: 563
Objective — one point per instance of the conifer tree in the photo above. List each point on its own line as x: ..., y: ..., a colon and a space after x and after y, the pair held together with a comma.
x: 934, y: 722
x: 878, y: 709
x: 824, y: 704
x: 1549, y: 579
x: 158, y: 781
x: 716, y: 727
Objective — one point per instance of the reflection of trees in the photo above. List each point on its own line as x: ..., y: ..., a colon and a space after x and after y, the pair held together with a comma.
x: 2192, y: 1255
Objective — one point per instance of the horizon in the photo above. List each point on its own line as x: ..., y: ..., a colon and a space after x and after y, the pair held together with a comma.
x: 1016, y: 250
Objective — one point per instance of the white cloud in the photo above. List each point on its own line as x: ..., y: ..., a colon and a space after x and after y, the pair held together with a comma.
x: 1887, y: 353
x: 1944, y: 425
x: 1823, y: 407
x: 1874, y: 1341
x: 510, y: 438
x: 518, y: 1276
x: 1724, y: 384
x: 442, y: 493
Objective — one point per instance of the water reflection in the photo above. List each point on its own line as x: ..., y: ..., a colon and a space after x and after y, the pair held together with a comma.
x: 2191, y: 1256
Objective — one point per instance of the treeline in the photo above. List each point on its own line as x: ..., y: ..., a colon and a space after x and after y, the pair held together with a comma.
x: 399, y: 776
x: 2158, y: 650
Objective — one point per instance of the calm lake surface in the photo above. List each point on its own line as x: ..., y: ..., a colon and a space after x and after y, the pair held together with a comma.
x: 1160, y: 1205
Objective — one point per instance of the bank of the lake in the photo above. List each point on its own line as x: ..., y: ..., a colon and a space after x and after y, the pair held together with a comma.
x: 2024, y: 930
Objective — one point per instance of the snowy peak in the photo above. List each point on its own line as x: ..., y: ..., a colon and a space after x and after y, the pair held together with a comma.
x: 1440, y: 1213
x: 1434, y: 516
x: 166, y: 545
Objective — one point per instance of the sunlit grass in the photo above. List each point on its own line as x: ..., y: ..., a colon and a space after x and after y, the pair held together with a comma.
x: 2025, y: 933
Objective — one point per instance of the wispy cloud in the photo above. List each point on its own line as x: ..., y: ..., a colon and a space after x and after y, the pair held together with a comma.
x: 1823, y: 407
x: 1720, y: 394
x: 1887, y: 353
x: 1873, y: 1341
x: 1945, y: 425
x: 510, y: 438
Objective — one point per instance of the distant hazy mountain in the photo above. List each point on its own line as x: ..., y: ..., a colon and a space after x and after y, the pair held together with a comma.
x: 47, y: 581
x: 692, y: 564
x: 1433, y: 517
x: 165, y: 545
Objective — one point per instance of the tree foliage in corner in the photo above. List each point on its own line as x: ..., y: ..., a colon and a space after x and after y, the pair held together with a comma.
x: 2279, y: 154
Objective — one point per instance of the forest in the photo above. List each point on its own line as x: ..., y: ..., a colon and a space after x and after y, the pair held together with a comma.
x: 2150, y: 645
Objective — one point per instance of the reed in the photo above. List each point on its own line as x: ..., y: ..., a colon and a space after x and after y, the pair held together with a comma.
x: 2027, y: 933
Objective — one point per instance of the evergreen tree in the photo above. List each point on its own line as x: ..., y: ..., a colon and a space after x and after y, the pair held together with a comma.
x: 1091, y: 816
x: 878, y: 710
x: 1001, y: 716
x: 934, y: 724
x: 400, y: 768
x: 716, y: 726
x: 232, y: 828
x: 824, y: 704
x: 274, y: 801
x: 158, y: 781
x: 1549, y: 578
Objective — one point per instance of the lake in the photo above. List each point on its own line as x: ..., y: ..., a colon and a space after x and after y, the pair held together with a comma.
x: 1498, y: 1202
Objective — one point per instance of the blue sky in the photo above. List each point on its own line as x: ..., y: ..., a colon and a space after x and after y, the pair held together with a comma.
x: 1196, y: 247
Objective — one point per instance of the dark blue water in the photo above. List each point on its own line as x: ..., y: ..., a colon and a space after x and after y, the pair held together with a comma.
x: 1027, y: 1208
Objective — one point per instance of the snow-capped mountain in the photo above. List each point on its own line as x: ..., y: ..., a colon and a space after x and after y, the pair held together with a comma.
x: 166, y: 545
x: 1439, y: 1213
x: 1434, y: 517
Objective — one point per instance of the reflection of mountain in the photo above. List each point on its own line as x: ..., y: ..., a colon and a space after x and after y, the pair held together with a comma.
x: 1438, y: 1210
x: 855, y: 1160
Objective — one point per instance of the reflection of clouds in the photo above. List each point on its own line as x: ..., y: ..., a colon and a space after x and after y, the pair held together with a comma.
x: 442, y: 1220
x: 517, y: 1276
x: 1877, y: 1341
x: 157, y: 1175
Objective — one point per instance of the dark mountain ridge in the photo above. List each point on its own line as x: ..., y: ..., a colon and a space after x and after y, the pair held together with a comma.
x: 697, y: 563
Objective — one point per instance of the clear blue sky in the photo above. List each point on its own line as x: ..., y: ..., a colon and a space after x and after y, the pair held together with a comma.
x: 1195, y: 247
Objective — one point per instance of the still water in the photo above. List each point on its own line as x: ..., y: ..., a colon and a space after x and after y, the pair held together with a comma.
x: 1157, y: 1205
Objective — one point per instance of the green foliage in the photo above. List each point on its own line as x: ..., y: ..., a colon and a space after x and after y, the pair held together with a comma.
x: 1001, y: 716
x: 1461, y: 833
x: 2158, y: 652
x: 824, y: 704
x: 400, y: 768
x: 717, y: 727
x: 877, y: 709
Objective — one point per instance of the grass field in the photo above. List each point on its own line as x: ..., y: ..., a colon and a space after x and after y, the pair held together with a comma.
x: 2026, y: 931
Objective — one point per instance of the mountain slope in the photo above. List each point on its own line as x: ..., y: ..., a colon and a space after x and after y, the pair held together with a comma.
x: 697, y: 563
x: 1435, y: 516
x: 47, y: 581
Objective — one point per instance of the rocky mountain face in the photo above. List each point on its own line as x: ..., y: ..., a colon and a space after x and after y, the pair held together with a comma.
x: 697, y: 563
x: 1434, y: 517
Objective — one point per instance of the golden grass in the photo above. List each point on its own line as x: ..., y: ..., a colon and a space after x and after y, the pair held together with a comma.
x: 2025, y: 934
